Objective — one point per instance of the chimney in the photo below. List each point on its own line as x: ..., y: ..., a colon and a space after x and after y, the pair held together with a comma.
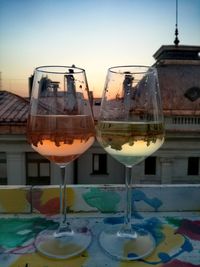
x: 30, y: 84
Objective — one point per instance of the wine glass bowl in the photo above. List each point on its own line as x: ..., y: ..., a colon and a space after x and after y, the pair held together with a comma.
x: 130, y: 128
x: 61, y: 127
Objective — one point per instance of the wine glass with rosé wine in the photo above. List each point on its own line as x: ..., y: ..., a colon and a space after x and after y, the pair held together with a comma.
x: 130, y: 128
x: 61, y: 128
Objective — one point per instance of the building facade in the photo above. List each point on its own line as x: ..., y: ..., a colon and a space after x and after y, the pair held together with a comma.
x: 177, y: 161
x: 179, y: 77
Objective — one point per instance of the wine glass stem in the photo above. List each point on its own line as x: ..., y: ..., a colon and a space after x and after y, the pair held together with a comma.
x: 63, y: 204
x: 64, y: 228
x: 127, y: 218
x: 126, y: 230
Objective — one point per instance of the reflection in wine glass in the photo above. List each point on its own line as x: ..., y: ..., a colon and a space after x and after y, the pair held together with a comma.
x: 61, y: 128
x: 130, y: 128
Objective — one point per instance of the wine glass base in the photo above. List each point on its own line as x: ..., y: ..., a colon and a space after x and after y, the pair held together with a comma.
x: 62, y: 247
x: 126, y: 248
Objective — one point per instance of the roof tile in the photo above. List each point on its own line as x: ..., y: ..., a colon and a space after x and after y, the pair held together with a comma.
x: 13, y: 108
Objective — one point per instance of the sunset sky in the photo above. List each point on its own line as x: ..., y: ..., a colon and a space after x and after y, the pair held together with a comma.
x: 92, y: 34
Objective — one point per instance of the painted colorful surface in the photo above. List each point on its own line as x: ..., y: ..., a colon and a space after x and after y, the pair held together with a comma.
x: 105, y: 198
x: 15, y: 200
x: 177, y: 236
x: 46, y: 200
x: 177, y: 242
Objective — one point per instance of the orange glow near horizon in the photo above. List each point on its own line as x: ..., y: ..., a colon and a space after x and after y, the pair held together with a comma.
x: 21, y: 86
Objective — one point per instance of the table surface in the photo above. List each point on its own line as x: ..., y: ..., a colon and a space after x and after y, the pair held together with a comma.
x: 177, y: 236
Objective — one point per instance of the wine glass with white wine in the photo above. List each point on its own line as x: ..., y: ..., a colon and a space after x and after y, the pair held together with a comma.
x: 130, y: 128
x: 61, y: 128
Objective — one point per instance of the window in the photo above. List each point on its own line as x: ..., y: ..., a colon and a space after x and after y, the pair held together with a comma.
x: 150, y: 166
x: 3, y: 169
x: 193, y: 166
x: 99, y: 163
x: 37, y: 170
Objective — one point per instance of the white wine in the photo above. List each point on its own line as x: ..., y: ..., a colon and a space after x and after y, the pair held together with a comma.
x: 130, y: 142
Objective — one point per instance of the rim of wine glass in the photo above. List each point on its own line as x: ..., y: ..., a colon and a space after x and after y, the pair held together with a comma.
x: 148, y: 69
x: 47, y: 69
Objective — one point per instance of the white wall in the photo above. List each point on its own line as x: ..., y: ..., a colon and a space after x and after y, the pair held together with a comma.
x: 172, y: 161
x: 84, y: 172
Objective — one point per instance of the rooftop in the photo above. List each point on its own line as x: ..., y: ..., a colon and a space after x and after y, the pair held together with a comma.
x: 181, y: 52
x: 13, y: 113
x: 178, y: 72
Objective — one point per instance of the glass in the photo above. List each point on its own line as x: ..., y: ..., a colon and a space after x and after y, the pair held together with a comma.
x: 130, y: 128
x: 61, y: 128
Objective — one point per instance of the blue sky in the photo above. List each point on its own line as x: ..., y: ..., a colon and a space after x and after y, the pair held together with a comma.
x: 92, y: 34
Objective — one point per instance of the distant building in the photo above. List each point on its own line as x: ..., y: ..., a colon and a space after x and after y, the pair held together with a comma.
x: 19, y: 164
x: 13, y: 146
x: 179, y: 77
x: 177, y: 161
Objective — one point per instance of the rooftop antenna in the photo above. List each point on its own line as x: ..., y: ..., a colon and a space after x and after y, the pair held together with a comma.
x: 176, y: 41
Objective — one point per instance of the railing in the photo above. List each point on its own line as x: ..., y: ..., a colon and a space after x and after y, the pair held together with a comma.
x: 185, y: 120
x: 187, y: 123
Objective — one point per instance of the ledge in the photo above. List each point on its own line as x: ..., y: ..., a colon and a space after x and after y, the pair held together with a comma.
x: 170, y: 212
x: 98, y: 198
